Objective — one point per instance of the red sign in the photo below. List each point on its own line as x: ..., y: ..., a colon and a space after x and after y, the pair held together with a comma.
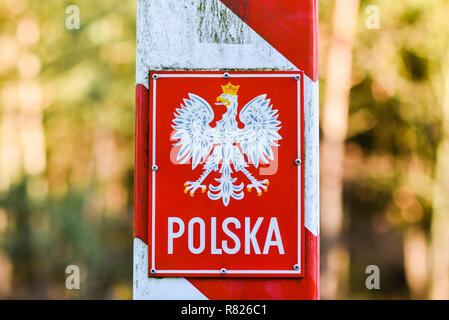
x: 226, y: 187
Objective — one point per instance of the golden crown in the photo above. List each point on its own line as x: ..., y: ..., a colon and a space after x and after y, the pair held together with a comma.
x: 230, y: 89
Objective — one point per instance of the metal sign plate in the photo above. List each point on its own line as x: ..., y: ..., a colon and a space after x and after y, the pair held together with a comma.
x: 226, y: 185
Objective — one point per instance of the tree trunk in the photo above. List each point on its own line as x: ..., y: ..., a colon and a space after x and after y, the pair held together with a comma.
x: 415, y: 262
x: 440, y: 218
x: 334, y: 126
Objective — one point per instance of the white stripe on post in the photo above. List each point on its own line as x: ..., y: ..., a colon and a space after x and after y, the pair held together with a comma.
x: 183, y: 35
x: 311, y: 153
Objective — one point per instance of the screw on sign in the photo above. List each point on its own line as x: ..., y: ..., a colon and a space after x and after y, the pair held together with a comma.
x: 226, y: 191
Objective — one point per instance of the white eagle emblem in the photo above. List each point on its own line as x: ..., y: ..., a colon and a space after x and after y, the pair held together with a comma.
x: 223, y: 148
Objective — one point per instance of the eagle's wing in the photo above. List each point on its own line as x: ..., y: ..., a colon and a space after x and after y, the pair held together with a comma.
x: 195, y: 135
x: 261, y: 130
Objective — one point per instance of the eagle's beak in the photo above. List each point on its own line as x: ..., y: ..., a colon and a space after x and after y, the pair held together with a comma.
x: 222, y: 101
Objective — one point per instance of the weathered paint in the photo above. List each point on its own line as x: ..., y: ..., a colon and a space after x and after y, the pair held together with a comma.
x: 312, y: 163
x: 158, y: 289
x: 198, y: 35
x: 205, y: 35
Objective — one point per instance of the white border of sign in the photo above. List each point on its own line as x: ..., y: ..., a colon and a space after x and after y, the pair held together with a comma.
x: 297, y: 269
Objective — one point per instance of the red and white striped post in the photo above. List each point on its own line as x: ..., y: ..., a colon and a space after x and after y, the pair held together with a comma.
x: 241, y: 39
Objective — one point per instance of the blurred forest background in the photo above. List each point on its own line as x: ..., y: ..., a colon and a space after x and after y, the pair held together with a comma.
x: 67, y: 148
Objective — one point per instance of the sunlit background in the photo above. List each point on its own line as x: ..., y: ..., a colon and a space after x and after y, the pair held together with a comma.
x: 66, y: 148
x: 67, y: 153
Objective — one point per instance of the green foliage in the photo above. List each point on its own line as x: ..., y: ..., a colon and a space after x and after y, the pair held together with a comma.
x: 394, y: 130
x: 78, y: 210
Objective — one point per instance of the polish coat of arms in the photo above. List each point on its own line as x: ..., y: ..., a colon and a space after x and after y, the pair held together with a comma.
x: 226, y: 148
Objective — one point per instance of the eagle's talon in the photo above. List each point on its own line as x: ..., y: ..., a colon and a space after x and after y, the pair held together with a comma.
x: 192, y: 186
x: 259, y: 186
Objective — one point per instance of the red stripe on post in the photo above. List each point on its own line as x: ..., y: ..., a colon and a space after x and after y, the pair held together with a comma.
x: 290, y: 26
x: 141, y: 165
x: 306, y: 288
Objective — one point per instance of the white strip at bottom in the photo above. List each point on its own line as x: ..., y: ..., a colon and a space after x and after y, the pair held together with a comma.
x: 146, y: 288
